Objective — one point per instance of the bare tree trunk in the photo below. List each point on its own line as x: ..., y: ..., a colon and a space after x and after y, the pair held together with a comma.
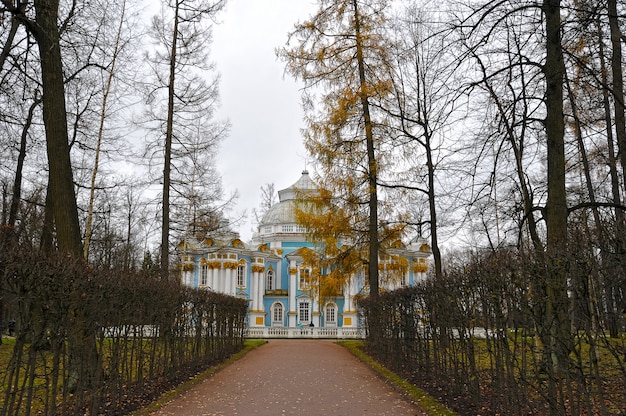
x: 83, y: 354
x: 618, y: 82
x: 556, y: 322
x: 167, y: 165
x: 129, y: 223
x: 616, y: 294
x: 8, y: 44
x: 46, y: 243
x: 434, y: 239
x: 611, y: 304
x: 371, y: 159
x: 374, y: 321
x: 17, y: 182
x: 61, y: 178
x: 94, y: 174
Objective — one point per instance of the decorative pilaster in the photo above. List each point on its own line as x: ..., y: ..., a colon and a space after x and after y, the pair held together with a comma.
x: 257, y: 314
x: 253, y: 290
x: 293, y: 272
x: 261, y: 287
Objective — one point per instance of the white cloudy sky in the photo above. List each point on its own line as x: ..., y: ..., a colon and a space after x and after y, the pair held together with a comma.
x: 262, y: 104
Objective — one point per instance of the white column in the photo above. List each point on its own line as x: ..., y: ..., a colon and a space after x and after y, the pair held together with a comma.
x: 227, y: 288
x: 220, y: 280
x: 256, y: 315
x: 233, y: 281
x: 254, y: 276
x: 261, y: 291
x: 292, y: 293
x: 224, y: 280
x: 209, y: 280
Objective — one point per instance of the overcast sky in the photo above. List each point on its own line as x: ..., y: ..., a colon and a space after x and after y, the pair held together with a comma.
x: 262, y: 104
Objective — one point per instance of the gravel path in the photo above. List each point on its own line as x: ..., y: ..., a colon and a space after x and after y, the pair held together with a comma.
x: 293, y: 377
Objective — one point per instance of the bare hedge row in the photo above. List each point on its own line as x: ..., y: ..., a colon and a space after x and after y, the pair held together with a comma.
x: 102, y: 342
x: 471, y: 339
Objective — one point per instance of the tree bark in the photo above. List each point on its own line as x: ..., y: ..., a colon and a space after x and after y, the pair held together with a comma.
x: 83, y: 365
x: 61, y: 184
x: 556, y: 325
x: 611, y: 278
x: 167, y: 164
x: 371, y: 159
x: 618, y: 82
x: 374, y: 323
x: 17, y: 182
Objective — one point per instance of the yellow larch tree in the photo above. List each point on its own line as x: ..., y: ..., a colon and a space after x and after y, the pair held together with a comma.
x: 340, y: 55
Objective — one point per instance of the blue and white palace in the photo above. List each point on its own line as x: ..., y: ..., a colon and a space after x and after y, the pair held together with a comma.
x: 271, y: 274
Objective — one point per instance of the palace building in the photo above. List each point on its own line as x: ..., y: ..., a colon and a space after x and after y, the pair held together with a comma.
x: 272, y: 274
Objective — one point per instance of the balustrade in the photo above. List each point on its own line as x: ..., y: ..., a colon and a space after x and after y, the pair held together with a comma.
x: 304, y: 332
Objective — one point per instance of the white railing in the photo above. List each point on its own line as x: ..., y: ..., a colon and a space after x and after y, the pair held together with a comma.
x: 304, y: 332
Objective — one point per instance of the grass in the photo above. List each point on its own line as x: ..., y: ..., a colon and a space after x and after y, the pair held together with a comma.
x: 6, y: 350
x: 188, y: 385
x: 432, y: 406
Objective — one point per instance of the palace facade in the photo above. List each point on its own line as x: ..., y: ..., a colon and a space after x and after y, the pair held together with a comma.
x: 271, y: 273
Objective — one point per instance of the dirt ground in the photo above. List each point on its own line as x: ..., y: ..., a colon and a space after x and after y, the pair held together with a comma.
x: 293, y: 377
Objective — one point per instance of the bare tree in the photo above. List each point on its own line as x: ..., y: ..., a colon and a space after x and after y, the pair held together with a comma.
x: 268, y: 198
x: 179, y: 65
x: 111, y: 71
x: 423, y: 104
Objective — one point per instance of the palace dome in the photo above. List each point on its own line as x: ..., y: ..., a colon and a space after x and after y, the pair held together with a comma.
x: 283, y: 212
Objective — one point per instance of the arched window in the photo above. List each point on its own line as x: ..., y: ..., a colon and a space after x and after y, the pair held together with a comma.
x: 278, y: 314
x: 241, y: 275
x: 330, y: 314
x: 269, y: 280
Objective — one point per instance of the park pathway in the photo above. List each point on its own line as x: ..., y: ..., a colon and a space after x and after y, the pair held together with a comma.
x: 293, y: 377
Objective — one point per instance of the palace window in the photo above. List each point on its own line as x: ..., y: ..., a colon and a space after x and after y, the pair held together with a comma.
x: 269, y: 280
x: 287, y: 228
x: 305, y: 278
x: 277, y: 314
x: 204, y: 274
x: 241, y: 275
x: 304, y: 312
x: 300, y: 229
x: 331, y: 314
x: 267, y: 230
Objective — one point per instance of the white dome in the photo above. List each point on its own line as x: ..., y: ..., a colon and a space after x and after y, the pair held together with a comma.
x: 280, y: 213
x: 283, y: 211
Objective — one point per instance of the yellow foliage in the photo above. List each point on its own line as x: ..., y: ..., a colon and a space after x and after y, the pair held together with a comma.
x: 331, y: 262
